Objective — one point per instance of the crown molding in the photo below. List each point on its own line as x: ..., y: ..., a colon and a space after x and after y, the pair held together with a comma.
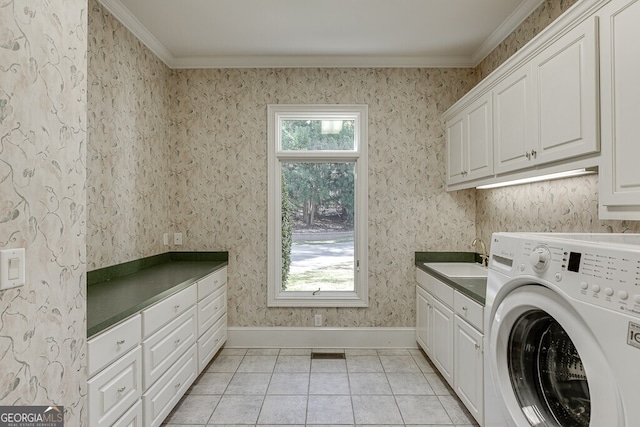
x: 134, y: 25
x: 322, y: 61
x: 522, y: 12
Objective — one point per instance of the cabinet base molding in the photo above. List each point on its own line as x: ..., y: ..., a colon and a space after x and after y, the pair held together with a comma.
x: 301, y: 337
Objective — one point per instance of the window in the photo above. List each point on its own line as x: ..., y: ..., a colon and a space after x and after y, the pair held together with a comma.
x: 317, y: 231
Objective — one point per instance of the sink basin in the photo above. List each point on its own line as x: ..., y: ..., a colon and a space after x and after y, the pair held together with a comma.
x: 458, y: 269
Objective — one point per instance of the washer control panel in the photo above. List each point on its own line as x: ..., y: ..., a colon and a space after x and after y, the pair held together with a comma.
x: 592, y: 268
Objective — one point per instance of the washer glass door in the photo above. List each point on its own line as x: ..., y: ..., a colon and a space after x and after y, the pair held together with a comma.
x: 547, y: 373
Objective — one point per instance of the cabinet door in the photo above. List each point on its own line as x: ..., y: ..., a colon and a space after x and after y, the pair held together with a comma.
x: 514, y: 121
x: 455, y: 150
x: 479, y: 158
x: 566, y: 90
x: 469, y: 143
x: 468, y: 368
x: 442, y: 344
x: 620, y: 110
x: 423, y: 320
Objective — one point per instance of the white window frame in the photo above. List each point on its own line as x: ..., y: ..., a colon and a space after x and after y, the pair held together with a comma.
x: 359, y: 297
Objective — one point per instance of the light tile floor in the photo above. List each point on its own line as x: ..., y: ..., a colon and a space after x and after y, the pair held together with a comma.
x: 284, y: 387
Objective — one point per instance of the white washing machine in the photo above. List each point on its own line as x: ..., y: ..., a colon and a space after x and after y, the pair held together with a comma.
x: 562, y: 330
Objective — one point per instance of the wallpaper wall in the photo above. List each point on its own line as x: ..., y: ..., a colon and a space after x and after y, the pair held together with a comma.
x: 219, y: 119
x: 568, y: 205
x: 127, y: 158
x: 42, y: 204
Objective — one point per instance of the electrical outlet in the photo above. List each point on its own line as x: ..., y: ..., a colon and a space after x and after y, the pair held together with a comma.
x: 165, y: 239
x: 318, y: 320
x: 177, y: 239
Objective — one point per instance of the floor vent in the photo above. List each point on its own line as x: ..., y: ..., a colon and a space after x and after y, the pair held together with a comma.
x: 321, y: 355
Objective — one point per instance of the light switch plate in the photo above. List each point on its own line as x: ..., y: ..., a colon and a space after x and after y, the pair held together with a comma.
x: 12, y: 268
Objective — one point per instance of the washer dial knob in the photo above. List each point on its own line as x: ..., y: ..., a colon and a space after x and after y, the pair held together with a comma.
x: 540, y: 258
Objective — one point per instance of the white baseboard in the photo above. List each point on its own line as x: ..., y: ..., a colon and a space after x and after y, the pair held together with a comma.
x: 288, y: 337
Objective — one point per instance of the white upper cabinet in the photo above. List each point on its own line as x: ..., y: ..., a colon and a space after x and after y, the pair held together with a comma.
x: 546, y: 111
x: 469, y: 145
x: 535, y: 114
x: 514, y: 120
x: 620, y: 111
x: 567, y: 92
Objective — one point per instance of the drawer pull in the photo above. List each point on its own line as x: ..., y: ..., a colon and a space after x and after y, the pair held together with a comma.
x: 177, y: 341
x: 217, y: 339
x: 177, y: 385
x: 121, y: 389
x: 215, y: 308
x: 120, y: 342
x: 216, y: 281
x: 464, y: 308
x: 177, y: 307
x: 477, y: 346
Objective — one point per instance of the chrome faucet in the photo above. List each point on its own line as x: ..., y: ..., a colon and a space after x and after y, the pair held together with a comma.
x: 483, y: 256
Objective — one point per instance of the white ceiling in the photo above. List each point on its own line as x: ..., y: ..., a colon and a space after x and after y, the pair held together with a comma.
x: 321, y: 33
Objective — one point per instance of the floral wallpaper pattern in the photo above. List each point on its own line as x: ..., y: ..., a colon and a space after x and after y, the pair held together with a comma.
x: 219, y: 163
x: 42, y: 203
x: 127, y: 158
x: 566, y: 205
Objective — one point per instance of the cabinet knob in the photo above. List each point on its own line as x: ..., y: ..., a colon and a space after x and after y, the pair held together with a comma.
x: 177, y: 306
x: 121, y: 389
x: 177, y: 385
x: 477, y: 346
x: 528, y: 155
x: 534, y: 153
x: 120, y: 342
x: 464, y: 308
x: 177, y: 341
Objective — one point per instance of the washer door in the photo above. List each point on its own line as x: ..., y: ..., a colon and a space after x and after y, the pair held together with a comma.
x: 546, y: 364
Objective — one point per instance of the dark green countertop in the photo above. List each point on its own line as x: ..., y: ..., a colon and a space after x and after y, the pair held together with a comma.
x: 115, y: 293
x: 473, y: 287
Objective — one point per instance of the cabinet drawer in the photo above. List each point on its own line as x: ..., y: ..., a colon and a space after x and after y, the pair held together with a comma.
x: 112, y: 343
x: 207, y: 285
x: 160, y: 399
x: 154, y: 317
x: 167, y: 345
x: 211, y: 341
x: 438, y: 289
x: 115, y: 389
x: 210, y: 309
x: 132, y: 418
x: 469, y: 310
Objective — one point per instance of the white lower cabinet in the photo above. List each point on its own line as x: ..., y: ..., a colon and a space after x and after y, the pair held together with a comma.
x: 212, y: 316
x: 166, y: 346
x: 132, y: 418
x: 160, y: 398
x: 115, y: 389
x: 468, y: 367
x: 141, y: 367
x: 210, y: 342
x: 423, y: 319
x: 442, y: 343
x: 449, y: 330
